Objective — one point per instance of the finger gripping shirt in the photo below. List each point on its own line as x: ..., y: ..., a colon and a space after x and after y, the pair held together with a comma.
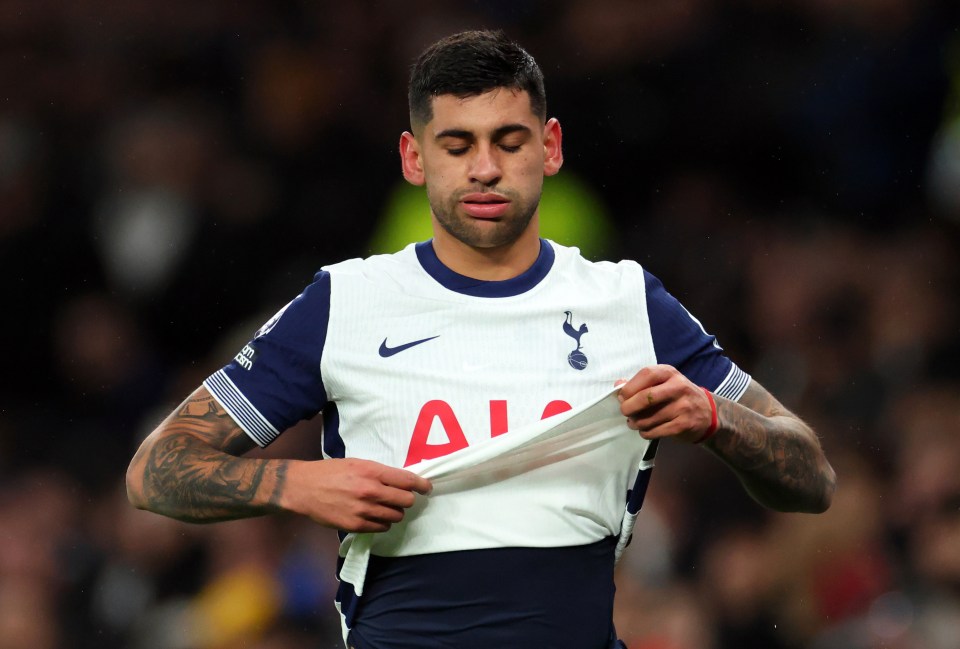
x: 410, y: 362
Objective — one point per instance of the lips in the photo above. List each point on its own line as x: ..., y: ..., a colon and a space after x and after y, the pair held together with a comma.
x: 485, y: 206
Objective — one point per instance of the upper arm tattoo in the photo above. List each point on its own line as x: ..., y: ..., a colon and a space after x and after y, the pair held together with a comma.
x: 191, y: 470
x: 757, y: 398
x: 203, y: 416
x: 775, y: 453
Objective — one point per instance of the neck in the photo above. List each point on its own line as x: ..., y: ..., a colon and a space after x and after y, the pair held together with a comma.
x: 489, y: 264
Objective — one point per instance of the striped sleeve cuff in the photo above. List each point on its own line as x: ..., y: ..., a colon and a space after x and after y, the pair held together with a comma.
x: 734, y: 384
x: 243, y: 412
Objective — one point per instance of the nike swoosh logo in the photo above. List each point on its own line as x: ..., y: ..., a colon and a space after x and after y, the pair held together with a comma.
x: 387, y: 352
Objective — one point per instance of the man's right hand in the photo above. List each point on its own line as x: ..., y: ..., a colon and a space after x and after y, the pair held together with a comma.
x: 351, y: 494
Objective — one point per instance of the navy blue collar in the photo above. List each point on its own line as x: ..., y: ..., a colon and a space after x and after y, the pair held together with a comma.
x: 481, y: 288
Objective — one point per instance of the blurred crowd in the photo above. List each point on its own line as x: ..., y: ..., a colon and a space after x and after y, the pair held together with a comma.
x: 172, y: 173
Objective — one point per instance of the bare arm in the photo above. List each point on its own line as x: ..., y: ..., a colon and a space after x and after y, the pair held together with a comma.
x: 776, y: 456
x: 189, y: 469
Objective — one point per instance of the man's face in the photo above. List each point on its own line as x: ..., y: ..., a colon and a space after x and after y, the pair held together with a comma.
x: 483, y: 159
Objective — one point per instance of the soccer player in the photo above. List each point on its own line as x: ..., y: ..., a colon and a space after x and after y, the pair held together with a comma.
x: 493, y: 350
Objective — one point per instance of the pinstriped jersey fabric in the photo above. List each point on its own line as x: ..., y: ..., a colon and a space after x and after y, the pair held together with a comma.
x: 409, y: 361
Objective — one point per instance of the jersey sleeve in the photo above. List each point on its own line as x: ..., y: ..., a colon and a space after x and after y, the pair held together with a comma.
x: 681, y: 341
x: 275, y: 380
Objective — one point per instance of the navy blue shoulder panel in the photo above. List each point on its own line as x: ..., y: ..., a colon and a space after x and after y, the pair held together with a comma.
x: 680, y: 340
x: 281, y: 374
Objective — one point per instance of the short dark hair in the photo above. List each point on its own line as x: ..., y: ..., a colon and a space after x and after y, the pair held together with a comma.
x: 471, y: 63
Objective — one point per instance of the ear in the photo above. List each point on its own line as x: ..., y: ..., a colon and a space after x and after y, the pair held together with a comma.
x: 552, y: 147
x: 410, y: 159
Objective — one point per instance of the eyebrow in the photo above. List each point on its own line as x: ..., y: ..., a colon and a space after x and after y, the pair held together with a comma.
x: 499, y: 133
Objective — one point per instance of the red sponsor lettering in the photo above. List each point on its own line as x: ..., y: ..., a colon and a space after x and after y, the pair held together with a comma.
x: 555, y: 408
x: 498, y: 417
x: 442, y: 413
x: 420, y: 449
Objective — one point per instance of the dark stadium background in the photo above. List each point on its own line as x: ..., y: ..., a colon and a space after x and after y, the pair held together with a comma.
x: 173, y: 172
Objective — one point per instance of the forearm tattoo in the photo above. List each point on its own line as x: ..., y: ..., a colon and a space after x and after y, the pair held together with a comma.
x: 192, y: 473
x: 776, y: 455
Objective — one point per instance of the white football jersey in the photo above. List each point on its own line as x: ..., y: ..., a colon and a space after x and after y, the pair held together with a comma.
x: 409, y: 361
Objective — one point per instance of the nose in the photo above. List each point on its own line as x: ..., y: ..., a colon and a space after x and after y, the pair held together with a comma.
x: 485, y: 167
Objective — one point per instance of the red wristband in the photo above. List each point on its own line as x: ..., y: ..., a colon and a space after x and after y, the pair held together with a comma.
x: 714, y: 421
